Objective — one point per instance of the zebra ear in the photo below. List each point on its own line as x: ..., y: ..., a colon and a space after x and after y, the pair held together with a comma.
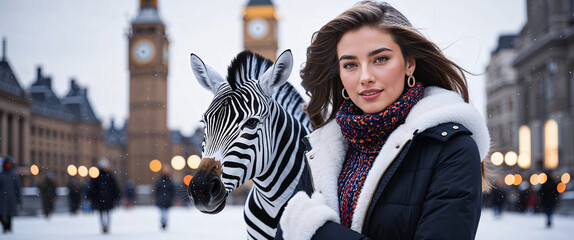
x: 277, y: 74
x: 205, y: 75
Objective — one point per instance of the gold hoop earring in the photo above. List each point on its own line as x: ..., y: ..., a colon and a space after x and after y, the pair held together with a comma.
x: 409, y: 83
x: 343, y: 94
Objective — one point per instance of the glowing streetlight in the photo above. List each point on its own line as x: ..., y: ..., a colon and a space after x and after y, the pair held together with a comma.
x: 187, y: 179
x: 542, y: 178
x: 193, y: 161
x: 534, y: 179
x: 83, y: 171
x: 517, y: 179
x: 561, y: 187
x: 524, y: 160
x: 177, y: 162
x: 551, y: 144
x: 510, y: 158
x: 34, y: 169
x: 509, y: 179
x: 72, y: 170
x: 496, y: 158
x: 155, y: 165
x: 94, y: 172
x: 565, y: 178
x: 524, y: 147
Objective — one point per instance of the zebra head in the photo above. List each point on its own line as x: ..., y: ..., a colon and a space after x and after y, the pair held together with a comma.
x: 237, y: 125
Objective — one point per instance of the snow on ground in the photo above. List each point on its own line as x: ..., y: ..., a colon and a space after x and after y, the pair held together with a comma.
x: 142, y: 223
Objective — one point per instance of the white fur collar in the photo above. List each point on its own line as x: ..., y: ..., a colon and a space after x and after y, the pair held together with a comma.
x: 329, y: 146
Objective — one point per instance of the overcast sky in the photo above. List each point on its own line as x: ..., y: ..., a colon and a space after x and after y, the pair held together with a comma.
x: 86, y: 40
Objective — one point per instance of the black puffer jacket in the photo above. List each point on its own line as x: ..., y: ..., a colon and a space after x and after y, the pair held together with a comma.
x: 104, y: 191
x: 424, y: 184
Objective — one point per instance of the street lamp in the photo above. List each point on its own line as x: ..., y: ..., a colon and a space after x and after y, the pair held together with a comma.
x: 177, y: 162
x: 524, y: 147
x: 34, y: 170
x: 155, y: 165
x: 83, y: 171
x: 551, y: 144
x: 72, y: 170
x: 193, y: 161
x: 510, y: 158
x: 94, y: 172
x: 497, y: 158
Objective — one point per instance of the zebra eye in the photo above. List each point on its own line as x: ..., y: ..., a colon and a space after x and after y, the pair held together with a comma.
x: 251, y: 123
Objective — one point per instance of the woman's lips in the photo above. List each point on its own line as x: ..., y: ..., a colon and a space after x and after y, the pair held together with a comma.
x: 370, y: 94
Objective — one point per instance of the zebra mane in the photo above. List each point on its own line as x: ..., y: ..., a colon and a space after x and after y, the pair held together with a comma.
x: 290, y: 99
x: 245, y: 67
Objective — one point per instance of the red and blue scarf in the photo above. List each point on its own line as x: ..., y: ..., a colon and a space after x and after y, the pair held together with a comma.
x: 367, y: 133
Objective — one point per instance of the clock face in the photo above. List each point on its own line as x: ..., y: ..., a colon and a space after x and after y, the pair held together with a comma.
x: 258, y: 28
x: 143, y: 51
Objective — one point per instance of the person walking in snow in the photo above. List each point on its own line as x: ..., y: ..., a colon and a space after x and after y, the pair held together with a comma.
x: 10, y: 194
x: 164, y: 195
x: 104, y: 193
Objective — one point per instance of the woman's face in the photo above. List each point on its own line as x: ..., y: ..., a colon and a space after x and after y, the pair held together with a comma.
x: 372, y: 68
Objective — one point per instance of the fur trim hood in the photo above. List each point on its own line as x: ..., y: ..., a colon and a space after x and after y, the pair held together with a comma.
x: 329, y: 147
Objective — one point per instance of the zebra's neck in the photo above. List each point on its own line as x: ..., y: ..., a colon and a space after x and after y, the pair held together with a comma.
x: 283, y: 170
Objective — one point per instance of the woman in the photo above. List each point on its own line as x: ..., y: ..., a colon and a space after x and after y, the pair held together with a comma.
x: 397, y: 149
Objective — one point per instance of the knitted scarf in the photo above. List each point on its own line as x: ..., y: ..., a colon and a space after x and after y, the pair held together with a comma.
x: 367, y: 133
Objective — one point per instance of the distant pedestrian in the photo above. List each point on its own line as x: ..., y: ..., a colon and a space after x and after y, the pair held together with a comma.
x: 549, y: 198
x: 497, y: 196
x: 74, y: 195
x: 130, y: 194
x: 164, y: 195
x: 48, y: 194
x: 10, y: 194
x: 104, y: 193
x: 86, y: 204
x: 531, y: 200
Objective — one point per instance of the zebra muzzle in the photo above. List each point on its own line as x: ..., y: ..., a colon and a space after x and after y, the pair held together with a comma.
x: 206, y: 190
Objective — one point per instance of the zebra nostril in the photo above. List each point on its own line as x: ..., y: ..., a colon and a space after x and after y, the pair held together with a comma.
x: 214, y: 187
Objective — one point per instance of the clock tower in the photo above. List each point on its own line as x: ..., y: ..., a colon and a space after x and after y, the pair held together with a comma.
x: 147, y: 130
x: 260, y: 28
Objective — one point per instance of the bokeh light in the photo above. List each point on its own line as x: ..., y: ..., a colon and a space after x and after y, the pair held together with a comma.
x: 177, y: 162
x: 497, y: 158
x: 534, y: 179
x: 509, y: 179
x: 542, y: 178
x: 561, y: 187
x: 155, y: 165
x: 524, y: 161
x: 517, y: 179
x: 83, y: 171
x: 94, y: 172
x: 72, y: 170
x: 187, y: 179
x: 565, y: 178
x: 34, y: 169
x: 193, y: 161
x: 510, y: 158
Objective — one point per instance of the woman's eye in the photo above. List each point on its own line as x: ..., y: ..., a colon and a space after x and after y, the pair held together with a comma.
x: 349, y: 65
x: 251, y: 123
x: 381, y: 59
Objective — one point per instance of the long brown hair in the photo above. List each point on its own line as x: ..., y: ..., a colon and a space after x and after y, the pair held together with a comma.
x: 320, y: 74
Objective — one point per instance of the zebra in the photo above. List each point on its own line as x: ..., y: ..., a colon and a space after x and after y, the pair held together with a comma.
x: 253, y: 130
